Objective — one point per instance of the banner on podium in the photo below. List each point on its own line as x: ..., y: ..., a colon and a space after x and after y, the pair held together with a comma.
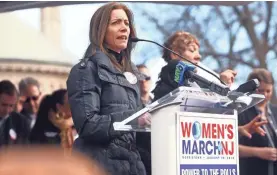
x: 207, y: 144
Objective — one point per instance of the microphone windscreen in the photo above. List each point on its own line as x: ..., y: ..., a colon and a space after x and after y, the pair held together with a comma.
x: 249, y: 86
x: 174, y: 72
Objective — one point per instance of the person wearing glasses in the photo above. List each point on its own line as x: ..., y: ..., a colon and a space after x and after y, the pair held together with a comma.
x: 143, y: 138
x: 29, y: 89
x: 13, y: 126
x: 145, y: 85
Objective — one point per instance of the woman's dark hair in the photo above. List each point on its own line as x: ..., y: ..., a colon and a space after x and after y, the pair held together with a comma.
x: 43, y: 124
x: 98, y: 26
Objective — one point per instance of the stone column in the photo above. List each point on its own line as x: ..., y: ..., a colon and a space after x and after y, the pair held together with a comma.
x: 51, y: 24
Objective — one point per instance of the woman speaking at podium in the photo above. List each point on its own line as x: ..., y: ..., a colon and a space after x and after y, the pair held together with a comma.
x: 103, y: 88
x: 186, y: 45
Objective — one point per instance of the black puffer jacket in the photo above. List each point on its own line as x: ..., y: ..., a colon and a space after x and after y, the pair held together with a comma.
x: 100, y: 95
x: 14, y: 130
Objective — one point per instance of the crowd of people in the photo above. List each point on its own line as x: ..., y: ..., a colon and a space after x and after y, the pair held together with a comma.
x: 27, y: 117
x: 106, y: 87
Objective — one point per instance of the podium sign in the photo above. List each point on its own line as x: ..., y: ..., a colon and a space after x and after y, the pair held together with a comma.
x: 207, y: 144
x: 193, y: 131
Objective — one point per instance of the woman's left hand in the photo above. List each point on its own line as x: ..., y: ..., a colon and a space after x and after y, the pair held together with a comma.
x: 145, y: 119
x: 65, y: 125
x: 254, y: 126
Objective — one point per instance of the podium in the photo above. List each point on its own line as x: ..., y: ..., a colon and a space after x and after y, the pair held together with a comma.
x: 193, y: 131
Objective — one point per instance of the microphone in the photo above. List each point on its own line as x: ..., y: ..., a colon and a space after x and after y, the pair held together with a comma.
x: 137, y: 40
x: 214, y: 87
x: 239, y: 100
x: 248, y: 87
x: 187, y: 70
x: 178, y: 73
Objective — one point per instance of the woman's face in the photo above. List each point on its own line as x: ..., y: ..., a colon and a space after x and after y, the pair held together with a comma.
x: 266, y: 90
x: 65, y: 108
x: 118, y: 31
x: 191, y: 52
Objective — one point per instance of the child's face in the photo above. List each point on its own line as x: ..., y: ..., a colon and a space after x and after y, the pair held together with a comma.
x: 192, y: 53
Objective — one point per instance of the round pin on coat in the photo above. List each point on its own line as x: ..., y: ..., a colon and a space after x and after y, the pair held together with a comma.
x: 12, y: 134
x: 130, y: 77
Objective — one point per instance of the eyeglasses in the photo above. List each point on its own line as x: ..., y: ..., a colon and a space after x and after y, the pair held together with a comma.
x: 147, y: 78
x: 34, y: 98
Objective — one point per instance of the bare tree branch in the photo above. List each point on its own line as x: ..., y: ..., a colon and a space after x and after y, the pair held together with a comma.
x: 249, y: 25
x: 274, y: 46
x: 232, y: 37
x: 245, y: 50
x: 220, y: 14
x: 156, y: 22
x: 275, y: 34
x: 268, y: 19
x: 231, y: 57
x: 186, y: 13
x: 231, y: 25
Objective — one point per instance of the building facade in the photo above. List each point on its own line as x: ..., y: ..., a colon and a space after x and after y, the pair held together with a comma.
x: 27, y: 52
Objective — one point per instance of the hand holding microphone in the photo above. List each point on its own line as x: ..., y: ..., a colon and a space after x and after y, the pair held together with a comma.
x: 179, y: 73
x: 176, y: 76
x: 196, y: 65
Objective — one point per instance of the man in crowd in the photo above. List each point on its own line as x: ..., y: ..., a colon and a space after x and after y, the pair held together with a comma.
x: 13, y: 127
x: 29, y: 88
x: 145, y: 85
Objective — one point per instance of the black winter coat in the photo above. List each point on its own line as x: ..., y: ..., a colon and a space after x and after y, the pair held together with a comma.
x: 100, y: 95
x: 255, y: 165
x: 14, y: 130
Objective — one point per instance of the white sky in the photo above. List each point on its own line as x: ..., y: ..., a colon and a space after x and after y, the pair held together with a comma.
x: 75, y: 24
